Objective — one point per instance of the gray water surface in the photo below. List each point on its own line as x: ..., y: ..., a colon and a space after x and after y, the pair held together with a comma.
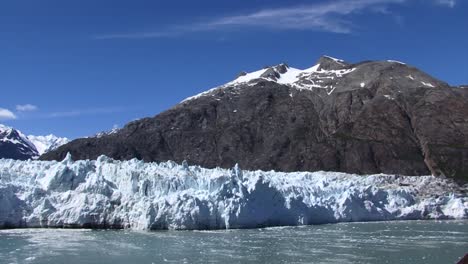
x: 377, y: 242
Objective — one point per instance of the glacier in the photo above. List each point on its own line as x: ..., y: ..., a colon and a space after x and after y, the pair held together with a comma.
x: 107, y: 193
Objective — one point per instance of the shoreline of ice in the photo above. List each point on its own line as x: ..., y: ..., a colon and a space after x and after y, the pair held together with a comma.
x: 105, y: 193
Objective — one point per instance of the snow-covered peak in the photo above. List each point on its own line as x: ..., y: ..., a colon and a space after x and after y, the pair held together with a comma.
x: 47, y: 143
x: 327, y: 68
x: 15, y: 144
x: 4, y: 128
x: 9, y: 134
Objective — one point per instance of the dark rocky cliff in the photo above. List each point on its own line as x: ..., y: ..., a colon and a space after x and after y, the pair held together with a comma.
x: 370, y: 117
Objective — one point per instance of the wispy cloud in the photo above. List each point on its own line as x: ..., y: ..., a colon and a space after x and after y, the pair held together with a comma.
x: 330, y: 16
x: 449, y: 3
x: 6, y: 114
x: 82, y: 112
x: 26, y: 108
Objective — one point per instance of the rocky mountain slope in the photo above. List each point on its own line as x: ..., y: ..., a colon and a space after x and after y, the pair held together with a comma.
x: 16, y: 145
x: 365, y: 118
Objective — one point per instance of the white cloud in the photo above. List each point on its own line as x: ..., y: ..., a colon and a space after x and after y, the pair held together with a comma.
x: 26, y: 108
x: 328, y: 16
x: 449, y: 3
x: 6, y: 114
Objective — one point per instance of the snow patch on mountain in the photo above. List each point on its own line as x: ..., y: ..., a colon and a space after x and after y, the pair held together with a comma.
x: 427, y: 84
x: 106, y: 133
x: 106, y: 193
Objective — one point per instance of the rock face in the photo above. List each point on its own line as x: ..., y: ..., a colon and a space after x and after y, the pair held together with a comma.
x: 365, y: 118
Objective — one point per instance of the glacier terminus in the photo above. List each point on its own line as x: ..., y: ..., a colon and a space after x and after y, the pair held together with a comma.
x: 107, y: 193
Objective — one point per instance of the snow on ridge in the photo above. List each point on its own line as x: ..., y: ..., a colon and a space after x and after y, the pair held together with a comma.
x: 334, y: 59
x: 132, y: 194
x: 4, y: 127
x: 395, y: 61
x: 247, y: 77
x: 106, y: 133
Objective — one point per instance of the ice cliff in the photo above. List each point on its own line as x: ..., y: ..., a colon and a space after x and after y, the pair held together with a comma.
x: 105, y: 193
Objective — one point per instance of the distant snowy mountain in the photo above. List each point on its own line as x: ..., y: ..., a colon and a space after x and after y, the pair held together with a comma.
x: 47, y: 143
x: 15, y: 145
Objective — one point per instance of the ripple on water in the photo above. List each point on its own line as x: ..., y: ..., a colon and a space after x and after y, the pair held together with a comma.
x: 413, y: 241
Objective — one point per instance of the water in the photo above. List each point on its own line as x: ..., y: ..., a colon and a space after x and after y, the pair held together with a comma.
x: 378, y: 242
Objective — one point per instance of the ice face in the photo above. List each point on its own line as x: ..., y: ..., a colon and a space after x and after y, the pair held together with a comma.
x: 105, y: 193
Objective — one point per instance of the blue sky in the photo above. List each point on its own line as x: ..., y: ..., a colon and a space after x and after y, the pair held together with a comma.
x: 74, y: 68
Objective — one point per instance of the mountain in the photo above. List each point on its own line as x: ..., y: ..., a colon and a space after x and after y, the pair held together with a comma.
x: 47, y: 143
x: 368, y: 117
x: 16, y: 145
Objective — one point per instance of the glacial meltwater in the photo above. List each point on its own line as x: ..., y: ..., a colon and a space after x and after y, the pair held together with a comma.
x: 372, y: 242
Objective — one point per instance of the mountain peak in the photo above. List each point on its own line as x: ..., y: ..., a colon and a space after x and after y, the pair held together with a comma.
x: 14, y: 144
x: 274, y: 72
x: 332, y: 74
x: 330, y: 63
